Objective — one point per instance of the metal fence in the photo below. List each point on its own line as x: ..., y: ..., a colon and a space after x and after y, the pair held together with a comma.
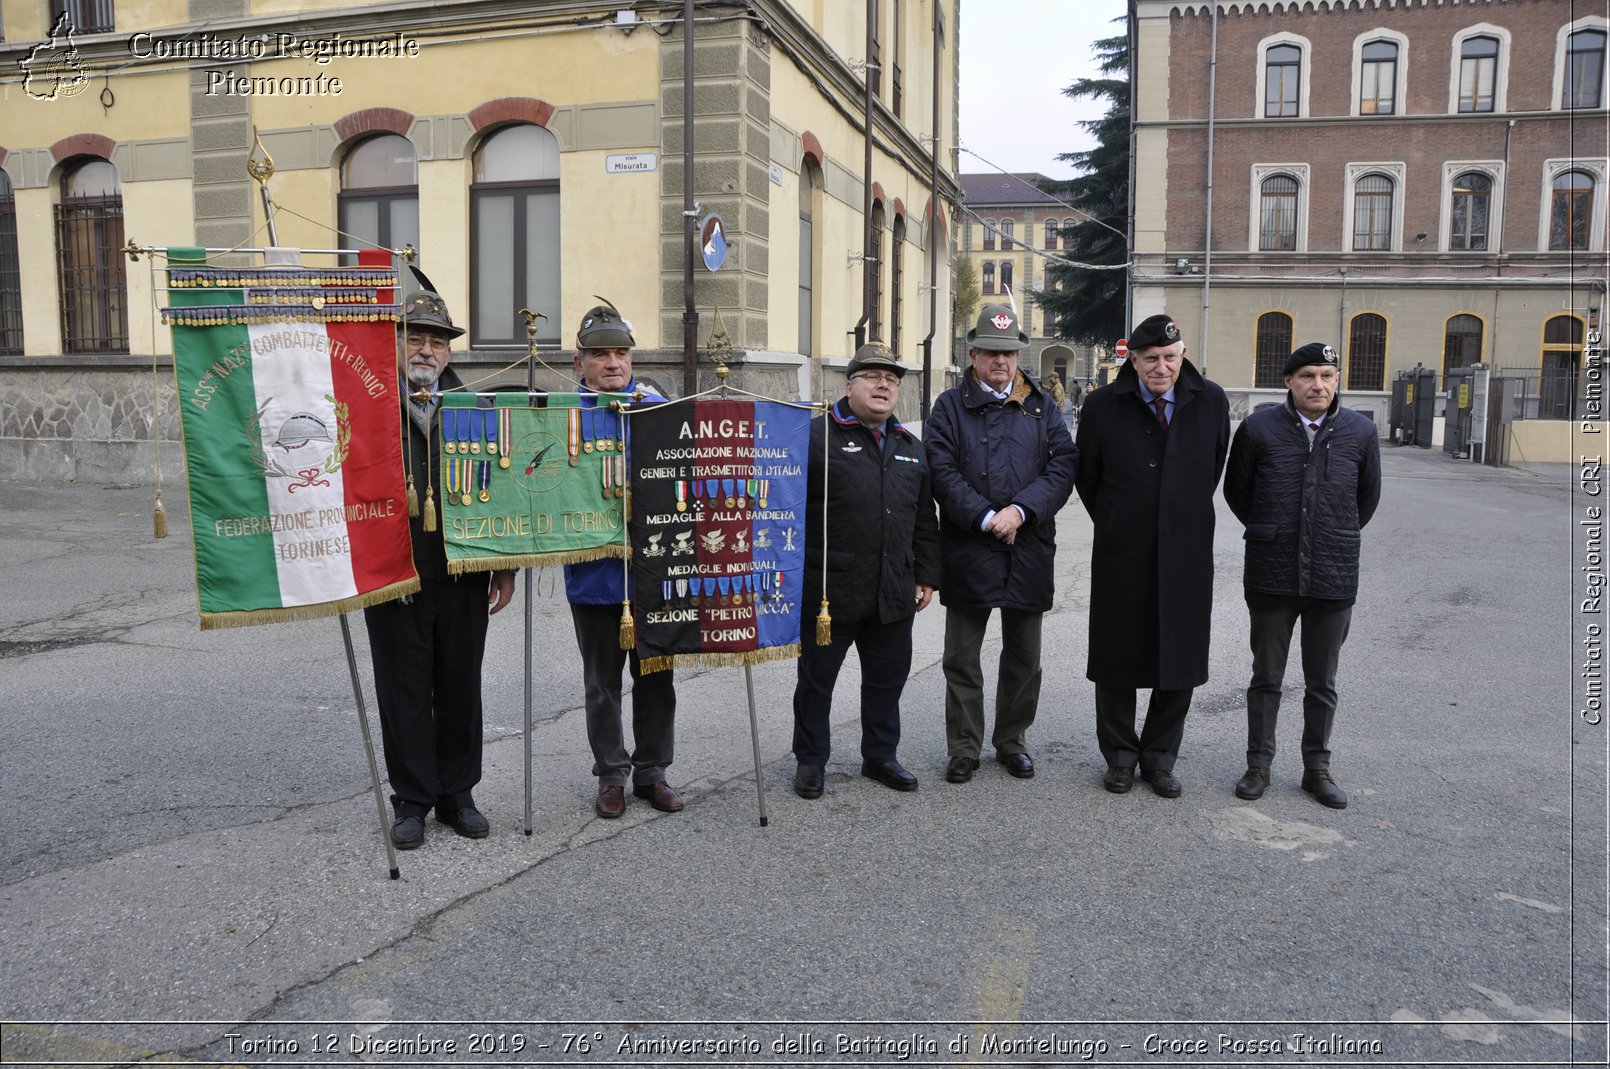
x: 1552, y: 393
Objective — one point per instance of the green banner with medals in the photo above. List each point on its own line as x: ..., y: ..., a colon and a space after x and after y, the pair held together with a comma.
x: 529, y: 480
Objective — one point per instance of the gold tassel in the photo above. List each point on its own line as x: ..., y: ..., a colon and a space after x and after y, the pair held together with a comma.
x: 430, y: 510
x: 628, y: 629
x: 413, y: 500
x: 824, y: 626
x: 159, y: 519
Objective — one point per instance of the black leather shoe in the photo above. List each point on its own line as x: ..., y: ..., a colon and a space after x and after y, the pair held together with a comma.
x: 467, y: 821
x: 1163, y: 783
x: 1020, y: 765
x: 808, y: 781
x: 1119, y: 779
x: 961, y: 769
x: 408, y: 832
x: 1317, y: 782
x: 1252, y: 785
x: 890, y: 773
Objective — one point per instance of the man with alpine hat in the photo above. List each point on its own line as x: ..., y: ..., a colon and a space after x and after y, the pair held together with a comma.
x: 1002, y: 464
x: 881, y: 560
x: 1304, y: 477
x: 596, y: 590
x: 427, y: 648
x: 1152, y: 445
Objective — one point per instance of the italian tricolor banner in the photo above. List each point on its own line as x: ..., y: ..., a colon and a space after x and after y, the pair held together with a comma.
x: 287, y: 389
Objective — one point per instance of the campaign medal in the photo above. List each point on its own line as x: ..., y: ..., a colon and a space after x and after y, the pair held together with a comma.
x: 726, y: 492
x: 606, y: 430
x: 494, y: 420
x: 724, y: 584
x: 449, y: 430
x: 620, y: 475
x: 449, y: 477
x: 463, y: 425
x: 574, y: 445
x: 765, y: 488
x: 682, y: 495
x: 505, y: 435
x: 485, y: 481
x: 464, y: 479
x: 712, y: 490
x: 681, y: 589
x: 606, y: 477
x: 589, y: 418
x: 473, y: 427
x: 743, y: 493
x: 709, y: 588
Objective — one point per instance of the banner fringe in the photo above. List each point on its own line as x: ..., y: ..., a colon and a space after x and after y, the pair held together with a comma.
x: 464, y: 565
x: 217, y: 621
x: 718, y: 660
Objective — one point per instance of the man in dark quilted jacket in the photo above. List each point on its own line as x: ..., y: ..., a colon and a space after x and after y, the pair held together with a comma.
x: 1304, y: 477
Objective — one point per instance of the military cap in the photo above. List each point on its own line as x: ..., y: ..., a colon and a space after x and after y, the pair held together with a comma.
x: 1152, y: 331
x: 1315, y: 352
x: 427, y: 311
x: 603, y: 327
x: 997, y: 330
x: 875, y: 354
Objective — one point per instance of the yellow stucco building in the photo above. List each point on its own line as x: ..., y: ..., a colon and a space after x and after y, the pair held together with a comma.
x: 532, y: 152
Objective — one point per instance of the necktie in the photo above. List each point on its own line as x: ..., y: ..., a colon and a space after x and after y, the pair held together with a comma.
x: 877, y: 436
x: 1160, y: 406
x: 1313, y: 432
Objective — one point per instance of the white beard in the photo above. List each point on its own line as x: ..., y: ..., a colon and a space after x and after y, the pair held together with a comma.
x: 421, y: 375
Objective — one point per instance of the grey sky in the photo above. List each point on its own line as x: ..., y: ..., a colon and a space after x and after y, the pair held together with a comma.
x: 1016, y: 58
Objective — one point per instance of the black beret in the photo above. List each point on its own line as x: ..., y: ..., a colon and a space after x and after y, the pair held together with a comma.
x: 1155, y: 330
x: 1315, y: 352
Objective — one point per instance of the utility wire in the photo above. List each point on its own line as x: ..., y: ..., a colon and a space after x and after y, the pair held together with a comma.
x: 1061, y: 203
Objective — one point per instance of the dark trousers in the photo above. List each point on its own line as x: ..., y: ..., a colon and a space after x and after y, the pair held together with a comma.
x: 1325, y: 625
x: 653, y: 702
x: 1017, y: 684
x: 1158, y: 743
x: 427, y: 661
x: 885, y: 654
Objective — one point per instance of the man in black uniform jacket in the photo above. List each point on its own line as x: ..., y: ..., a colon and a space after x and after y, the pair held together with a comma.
x: 882, y: 563
x: 427, y: 647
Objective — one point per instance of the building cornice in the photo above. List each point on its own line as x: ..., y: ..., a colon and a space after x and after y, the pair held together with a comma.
x: 1292, y: 7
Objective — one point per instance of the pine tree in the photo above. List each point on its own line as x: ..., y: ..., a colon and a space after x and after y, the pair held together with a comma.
x: 1081, y: 304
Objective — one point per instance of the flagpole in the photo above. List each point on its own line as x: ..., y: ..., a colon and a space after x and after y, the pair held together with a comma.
x: 262, y: 170
x: 754, y: 740
x: 530, y: 579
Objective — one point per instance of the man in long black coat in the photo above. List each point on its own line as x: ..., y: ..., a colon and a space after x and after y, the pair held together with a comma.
x: 1152, y: 446
x: 881, y: 560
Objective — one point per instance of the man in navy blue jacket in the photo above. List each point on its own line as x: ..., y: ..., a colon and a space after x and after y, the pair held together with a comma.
x: 1002, y: 464
x: 1304, y: 477
x: 596, y: 590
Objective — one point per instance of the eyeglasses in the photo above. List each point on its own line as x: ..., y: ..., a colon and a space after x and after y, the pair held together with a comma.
x: 887, y: 378
x: 432, y: 341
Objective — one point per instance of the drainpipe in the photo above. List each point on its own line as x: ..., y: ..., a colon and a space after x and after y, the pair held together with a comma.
x: 1207, y: 236
x: 933, y: 236
x: 690, y: 215
x: 867, y: 264
x: 1129, y: 237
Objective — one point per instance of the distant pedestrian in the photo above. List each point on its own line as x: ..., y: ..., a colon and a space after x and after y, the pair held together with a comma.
x: 1304, y: 478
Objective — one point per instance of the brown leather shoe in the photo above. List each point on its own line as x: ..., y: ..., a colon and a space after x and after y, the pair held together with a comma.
x: 611, y: 800
x: 1251, y: 786
x: 660, y: 796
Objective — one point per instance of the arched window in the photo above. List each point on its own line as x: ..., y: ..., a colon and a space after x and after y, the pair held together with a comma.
x: 1584, y: 70
x: 514, y: 227
x: 1277, y: 214
x: 1273, y: 349
x: 876, y: 322
x: 1378, y: 79
x: 1570, y: 210
x: 1067, y: 233
x: 1562, y: 362
x: 810, y: 181
x: 989, y: 233
x: 1478, y: 73
x: 379, y: 199
x: 1283, y: 67
x: 89, y: 240
x: 988, y: 285
x: 897, y: 282
x: 1007, y: 282
x: 1366, y: 352
x: 1050, y: 233
x: 1007, y: 231
x: 10, y: 272
x: 1472, y: 206
x: 1461, y: 343
x: 1372, y: 213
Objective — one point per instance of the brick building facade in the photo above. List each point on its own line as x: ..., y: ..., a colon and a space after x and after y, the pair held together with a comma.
x: 1414, y: 181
